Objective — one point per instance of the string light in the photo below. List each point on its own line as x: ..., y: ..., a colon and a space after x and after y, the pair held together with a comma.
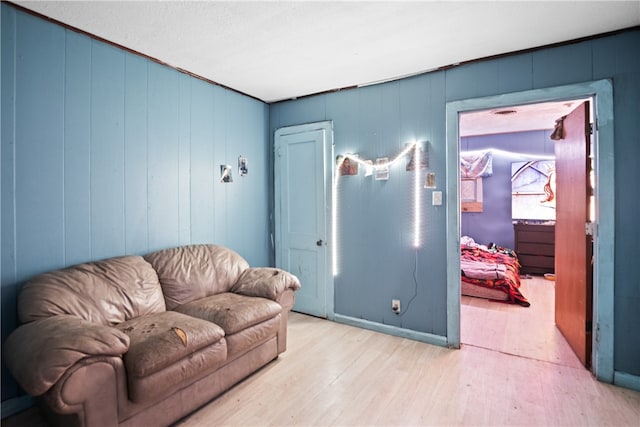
x: 334, y: 218
x: 508, y: 154
x: 416, y: 147
x: 381, y: 165
x: 416, y: 196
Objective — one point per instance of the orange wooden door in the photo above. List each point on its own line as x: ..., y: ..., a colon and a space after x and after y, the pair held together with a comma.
x: 574, y: 248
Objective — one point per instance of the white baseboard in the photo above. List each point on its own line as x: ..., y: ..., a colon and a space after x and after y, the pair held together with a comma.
x: 15, y: 405
x: 625, y: 380
x: 392, y: 330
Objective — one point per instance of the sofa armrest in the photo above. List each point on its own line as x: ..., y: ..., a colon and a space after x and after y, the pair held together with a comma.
x: 39, y: 353
x: 265, y: 282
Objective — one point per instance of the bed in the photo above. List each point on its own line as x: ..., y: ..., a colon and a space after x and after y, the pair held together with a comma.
x: 490, y: 272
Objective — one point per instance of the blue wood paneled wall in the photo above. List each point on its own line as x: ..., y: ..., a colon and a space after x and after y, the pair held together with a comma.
x: 106, y: 153
x: 376, y: 259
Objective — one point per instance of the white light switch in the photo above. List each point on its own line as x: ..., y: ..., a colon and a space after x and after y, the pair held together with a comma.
x: 436, y: 198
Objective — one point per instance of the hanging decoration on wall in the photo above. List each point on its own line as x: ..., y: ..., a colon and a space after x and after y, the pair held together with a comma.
x: 225, y: 174
x: 476, y: 164
x: 415, y: 150
x: 368, y: 167
x: 243, y: 166
x: 423, y: 159
x: 430, y: 180
x: 346, y: 166
x: 558, y: 130
x: 382, y: 169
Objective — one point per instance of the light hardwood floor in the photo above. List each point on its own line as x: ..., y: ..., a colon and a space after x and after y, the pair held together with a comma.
x: 514, y: 368
x: 338, y: 375
x: 521, y: 331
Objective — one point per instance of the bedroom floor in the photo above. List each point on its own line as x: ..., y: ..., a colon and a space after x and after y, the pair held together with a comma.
x: 521, y: 331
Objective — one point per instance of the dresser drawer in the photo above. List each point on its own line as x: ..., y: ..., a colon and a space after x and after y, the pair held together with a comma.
x: 535, y: 236
x: 545, y: 262
x: 536, y: 248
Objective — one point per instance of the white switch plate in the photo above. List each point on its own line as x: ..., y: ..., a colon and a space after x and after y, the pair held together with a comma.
x: 436, y: 198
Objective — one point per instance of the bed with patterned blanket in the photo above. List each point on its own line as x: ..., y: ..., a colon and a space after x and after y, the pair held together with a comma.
x: 490, y: 272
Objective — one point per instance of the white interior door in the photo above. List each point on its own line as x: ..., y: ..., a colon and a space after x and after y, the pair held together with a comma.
x: 302, y: 174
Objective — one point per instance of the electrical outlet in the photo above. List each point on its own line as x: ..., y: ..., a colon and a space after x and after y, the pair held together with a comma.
x: 395, y: 306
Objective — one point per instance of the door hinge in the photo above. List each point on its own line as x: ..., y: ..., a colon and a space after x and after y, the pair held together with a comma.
x: 590, y: 129
x: 590, y: 229
x: 588, y: 326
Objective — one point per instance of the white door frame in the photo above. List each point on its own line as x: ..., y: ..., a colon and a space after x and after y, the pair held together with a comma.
x: 328, y: 170
x: 603, y: 251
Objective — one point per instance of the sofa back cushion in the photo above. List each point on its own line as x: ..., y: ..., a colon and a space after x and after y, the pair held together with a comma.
x: 107, y: 292
x: 192, y: 272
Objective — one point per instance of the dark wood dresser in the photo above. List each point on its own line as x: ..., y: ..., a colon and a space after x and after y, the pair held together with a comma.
x: 535, y: 246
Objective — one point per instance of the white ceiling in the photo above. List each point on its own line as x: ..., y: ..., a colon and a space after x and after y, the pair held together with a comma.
x: 517, y: 118
x: 277, y: 50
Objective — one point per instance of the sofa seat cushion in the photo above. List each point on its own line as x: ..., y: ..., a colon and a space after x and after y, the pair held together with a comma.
x: 161, y: 339
x: 231, y: 311
x: 251, y: 337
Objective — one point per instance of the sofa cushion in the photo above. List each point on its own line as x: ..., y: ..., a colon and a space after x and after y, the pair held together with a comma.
x: 184, y: 372
x: 249, y: 338
x: 231, y: 311
x: 161, y: 339
x: 107, y: 292
x: 40, y: 352
x: 266, y: 282
x: 188, y: 273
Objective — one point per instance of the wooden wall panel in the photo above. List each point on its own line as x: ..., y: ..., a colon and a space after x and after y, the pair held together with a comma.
x: 515, y: 73
x: 77, y: 153
x: 246, y: 193
x: 562, y: 65
x: 107, y: 151
x: 136, y: 155
x: 485, y: 80
x: 236, y: 202
x: 221, y: 114
x: 163, y: 170
x: 9, y: 288
x: 204, y: 172
x: 39, y: 150
x: 184, y: 162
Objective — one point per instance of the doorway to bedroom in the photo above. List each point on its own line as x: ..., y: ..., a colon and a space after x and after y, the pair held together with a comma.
x: 510, y: 158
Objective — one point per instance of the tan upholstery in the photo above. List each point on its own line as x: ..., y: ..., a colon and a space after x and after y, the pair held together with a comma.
x: 40, y: 352
x: 106, y: 292
x: 99, y: 347
x: 193, y: 272
x: 248, y: 338
x: 265, y: 282
x: 161, y: 339
x: 231, y: 311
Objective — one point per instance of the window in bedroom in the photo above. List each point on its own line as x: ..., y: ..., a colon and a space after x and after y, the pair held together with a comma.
x: 471, y: 194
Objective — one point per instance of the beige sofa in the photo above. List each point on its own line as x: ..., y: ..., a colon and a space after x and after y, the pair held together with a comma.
x: 144, y: 341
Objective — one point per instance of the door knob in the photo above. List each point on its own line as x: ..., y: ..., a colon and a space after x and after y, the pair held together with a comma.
x: 320, y: 242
